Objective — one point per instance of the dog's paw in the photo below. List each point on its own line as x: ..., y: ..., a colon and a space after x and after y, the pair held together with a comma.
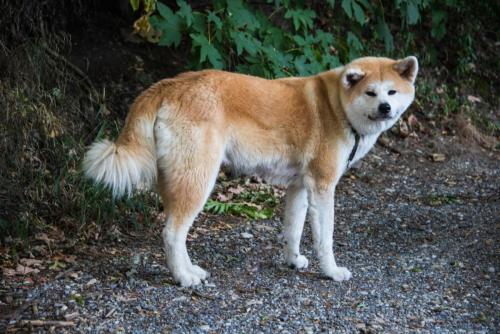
x: 338, y: 274
x: 298, y: 262
x: 198, y: 271
x: 187, y: 279
x: 191, y: 276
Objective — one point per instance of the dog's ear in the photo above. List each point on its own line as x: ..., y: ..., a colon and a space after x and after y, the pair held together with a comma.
x: 407, y: 68
x: 352, y: 76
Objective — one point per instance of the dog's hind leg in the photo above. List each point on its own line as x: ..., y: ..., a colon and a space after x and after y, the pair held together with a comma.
x: 187, y: 171
x: 295, y: 214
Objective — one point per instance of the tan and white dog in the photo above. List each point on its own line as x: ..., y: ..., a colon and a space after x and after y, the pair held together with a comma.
x: 301, y: 132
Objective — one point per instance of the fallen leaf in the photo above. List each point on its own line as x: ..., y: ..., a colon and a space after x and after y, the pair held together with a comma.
x: 236, y: 190
x: 413, y: 121
x: 8, y: 272
x: 57, y: 265
x: 473, y: 99
x: 69, y: 258
x: 223, y: 198
x: 437, y: 157
x: 404, y: 131
x: 44, y: 237
x: 24, y: 270
x: 31, y: 262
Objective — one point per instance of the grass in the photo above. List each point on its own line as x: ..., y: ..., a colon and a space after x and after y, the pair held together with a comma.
x: 49, y: 119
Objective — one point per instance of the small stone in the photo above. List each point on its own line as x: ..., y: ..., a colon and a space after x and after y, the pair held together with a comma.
x: 246, y: 235
x: 71, y: 316
x: 91, y: 282
x: 204, y: 328
x: 309, y: 330
x: 437, y: 157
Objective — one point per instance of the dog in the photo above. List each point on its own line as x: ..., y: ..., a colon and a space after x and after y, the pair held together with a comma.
x: 300, y: 132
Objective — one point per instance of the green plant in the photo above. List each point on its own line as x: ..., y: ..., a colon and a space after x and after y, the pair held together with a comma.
x: 253, y: 204
x: 290, y: 37
x: 247, y: 210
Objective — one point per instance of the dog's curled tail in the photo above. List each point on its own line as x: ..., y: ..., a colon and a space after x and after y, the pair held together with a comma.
x: 130, y: 162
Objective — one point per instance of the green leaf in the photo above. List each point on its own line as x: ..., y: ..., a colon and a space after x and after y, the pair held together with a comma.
x: 185, y: 12
x: 355, y: 45
x: 347, y: 7
x: 331, y: 3
x: 301, y: 17
x: 134, y: 4
x: 359, y: 14
x: 245, y: 41
x: 412, y: 13
x: 274, y: 37
x: 439, y: 19
x: 354, y: 41
x: 212, y: 17
x: 170, y: 26
x: 165, y: 11
x: 199, y: 23
x: 207, y: 50
x: 384, y: 33
x: 240, y: 16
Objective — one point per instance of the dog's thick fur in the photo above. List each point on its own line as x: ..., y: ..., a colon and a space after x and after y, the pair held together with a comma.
x: 295, y: 131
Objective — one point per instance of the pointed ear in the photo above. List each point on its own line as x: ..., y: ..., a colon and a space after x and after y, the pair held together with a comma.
x: 352, y: 76
x: 407, y: 68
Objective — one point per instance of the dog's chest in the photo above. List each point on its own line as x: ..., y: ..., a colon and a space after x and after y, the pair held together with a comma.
x: 364, y: 146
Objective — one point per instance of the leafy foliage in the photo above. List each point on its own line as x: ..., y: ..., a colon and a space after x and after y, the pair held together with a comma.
x: 291, y: 37
x: 256, y: 204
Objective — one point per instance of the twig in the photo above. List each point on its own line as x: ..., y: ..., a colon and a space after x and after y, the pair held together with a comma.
x: 64, y: 273
x: 55, y: 323
x: 202, y: 295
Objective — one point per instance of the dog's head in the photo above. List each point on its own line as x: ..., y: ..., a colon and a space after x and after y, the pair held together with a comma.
x: 376, y: 91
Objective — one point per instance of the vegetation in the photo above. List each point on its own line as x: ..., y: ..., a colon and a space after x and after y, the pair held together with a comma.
x: 51, y: 109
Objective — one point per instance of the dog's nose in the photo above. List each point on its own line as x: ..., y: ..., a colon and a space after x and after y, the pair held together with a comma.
x: 384, y: 108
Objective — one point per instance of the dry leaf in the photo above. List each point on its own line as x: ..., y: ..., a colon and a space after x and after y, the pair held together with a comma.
x: 8, y: 272
x: 473, y: 99
x: 413, y: 122
x: 238, y: 190
x: 437, y: 157
x: 23, y: 270
x: 404, y: 131
x: 44, y: 237
x: 31, y: 262
x: 223, y: 198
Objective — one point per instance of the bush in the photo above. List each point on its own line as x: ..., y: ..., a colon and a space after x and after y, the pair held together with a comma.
x: 284, y: 37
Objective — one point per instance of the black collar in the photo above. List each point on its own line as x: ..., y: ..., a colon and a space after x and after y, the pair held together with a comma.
x: 355, y: 148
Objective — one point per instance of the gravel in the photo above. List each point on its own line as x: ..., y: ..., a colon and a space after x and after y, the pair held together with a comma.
x: 420, y: 237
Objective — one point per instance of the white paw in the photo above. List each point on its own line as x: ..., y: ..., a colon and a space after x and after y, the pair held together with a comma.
x: 187, y: 279
x: 338, y: 274
x: 198, y: 271
x: 190, y: 276
x: 298, y: 262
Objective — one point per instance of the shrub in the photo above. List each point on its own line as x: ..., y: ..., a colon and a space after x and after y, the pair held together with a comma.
x: 284, y: 37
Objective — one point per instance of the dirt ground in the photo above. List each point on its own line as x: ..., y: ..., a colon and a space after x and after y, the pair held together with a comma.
x: 420, y: 236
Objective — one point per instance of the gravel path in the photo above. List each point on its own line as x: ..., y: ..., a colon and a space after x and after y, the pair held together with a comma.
x: 421, y: 239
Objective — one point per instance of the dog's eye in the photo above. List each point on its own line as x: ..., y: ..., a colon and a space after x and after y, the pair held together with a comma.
x: 391, y: 92
x: 369, y: 93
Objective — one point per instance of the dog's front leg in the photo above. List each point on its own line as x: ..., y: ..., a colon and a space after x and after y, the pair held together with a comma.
x: 321, y: 209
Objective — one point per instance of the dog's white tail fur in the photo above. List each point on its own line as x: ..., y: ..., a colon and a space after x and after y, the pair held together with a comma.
x: 130, y: 162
